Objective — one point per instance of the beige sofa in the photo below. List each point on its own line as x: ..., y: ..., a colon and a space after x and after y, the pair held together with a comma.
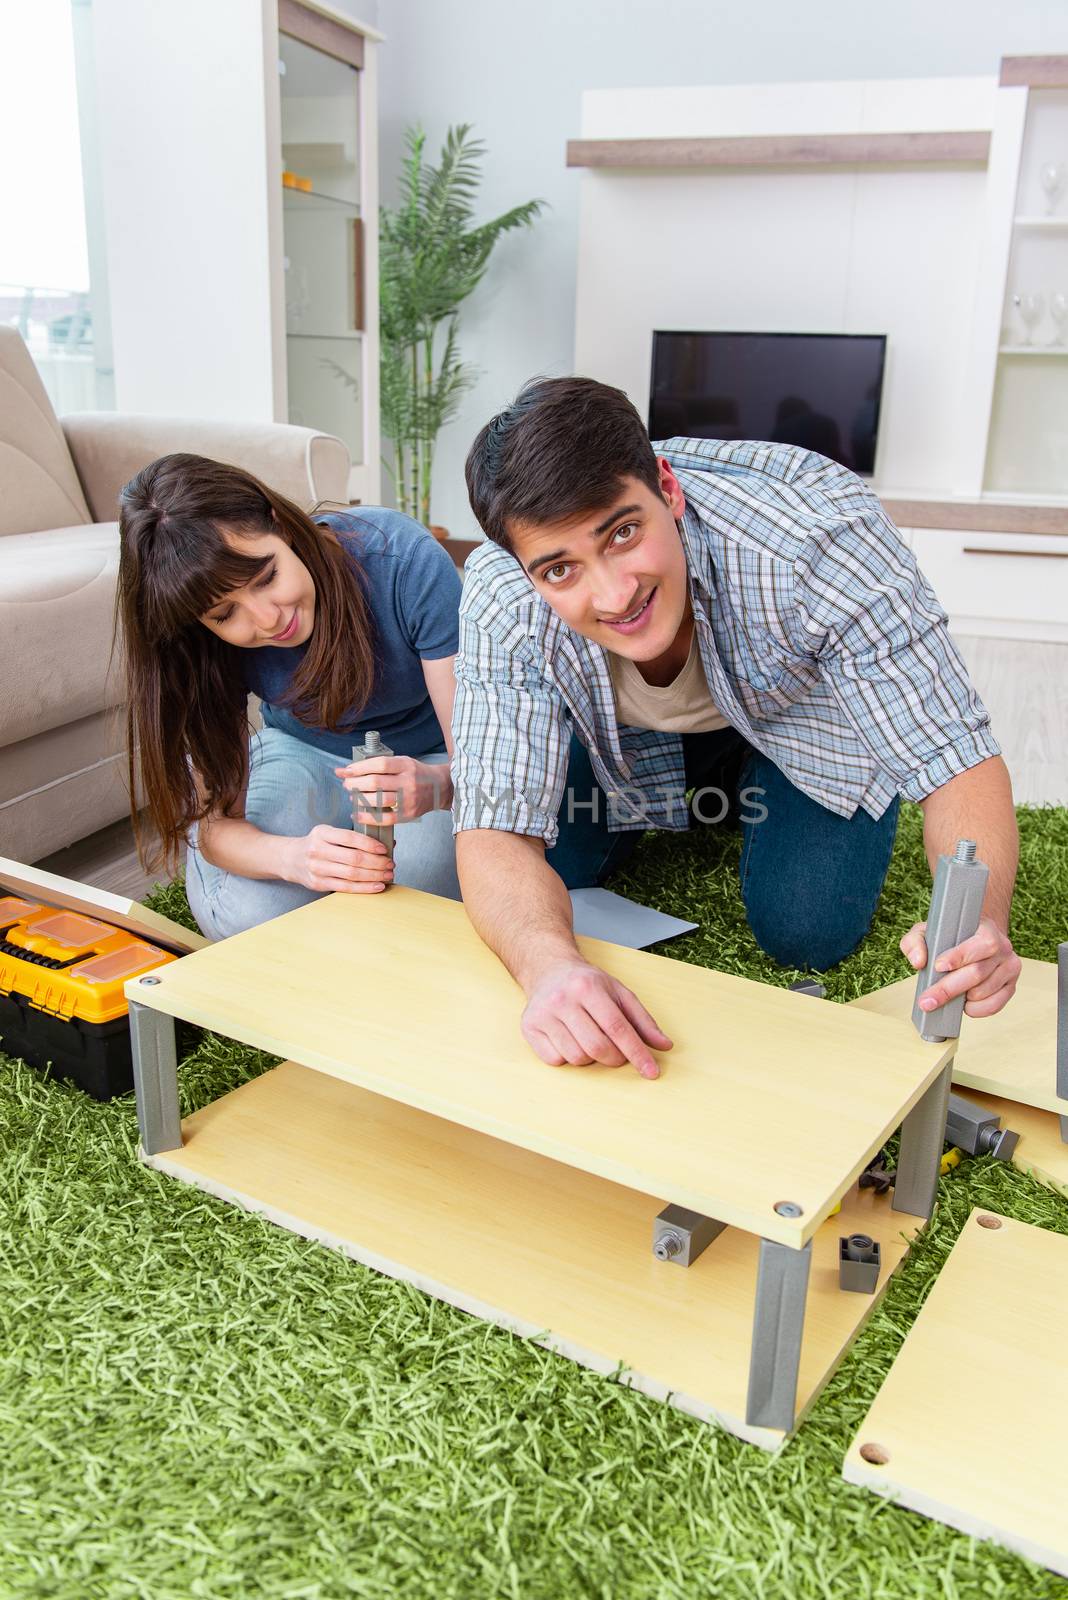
x: 62, y: 762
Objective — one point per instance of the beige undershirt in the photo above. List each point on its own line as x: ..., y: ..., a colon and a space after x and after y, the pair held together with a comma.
x: 683, y: 706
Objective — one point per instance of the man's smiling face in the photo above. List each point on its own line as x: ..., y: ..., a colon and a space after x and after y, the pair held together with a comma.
x: 617, y: 575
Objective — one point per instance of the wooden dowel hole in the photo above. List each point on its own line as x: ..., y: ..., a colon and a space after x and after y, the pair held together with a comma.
x: 987, y: 1221
x: 876, y: 1455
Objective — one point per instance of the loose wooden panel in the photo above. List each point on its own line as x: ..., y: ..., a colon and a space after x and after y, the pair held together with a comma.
x: 784, y: 150
x: 977, y: 516
x: 1034, y: 72
x: 970, y: 1425
x: 517, y: 1239
x: 765, y: 1097
x: 1041, y: 1150
x: 36, y: 884
x: 1012, y: 1054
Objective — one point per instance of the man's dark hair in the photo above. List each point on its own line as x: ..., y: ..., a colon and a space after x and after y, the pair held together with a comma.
x: 563, y: 447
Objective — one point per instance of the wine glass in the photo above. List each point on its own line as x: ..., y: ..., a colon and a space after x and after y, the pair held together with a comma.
x: 1058, y: 310
x: 1052, y: 180
x: 1031, y: 308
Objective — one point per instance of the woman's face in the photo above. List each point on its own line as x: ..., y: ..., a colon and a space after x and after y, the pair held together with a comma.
x: 277, y: 608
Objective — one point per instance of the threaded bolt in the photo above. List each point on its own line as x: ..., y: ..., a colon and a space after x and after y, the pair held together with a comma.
x: 667, y: 1247
x: 965, y: 852
x: 373, y: 744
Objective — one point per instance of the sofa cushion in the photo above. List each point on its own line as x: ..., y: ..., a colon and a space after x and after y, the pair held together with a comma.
x: 40, y: 485
x: 57, y: 600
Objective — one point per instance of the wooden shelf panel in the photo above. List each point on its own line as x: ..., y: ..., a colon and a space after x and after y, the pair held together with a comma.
x: 1032, y: 350
x: 34, y: 883
x: 785, y: 150
x: 509, y: 1236
x: 765, y: 1097
x: 1012, y: 1054
x: 990, y: 1333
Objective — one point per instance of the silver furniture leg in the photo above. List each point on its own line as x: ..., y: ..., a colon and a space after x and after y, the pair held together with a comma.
x: 922, y: 1137
x: 956, y: 906
x: 1062, y: 1031
x: 778, y: 1323
x: 155, y: 1072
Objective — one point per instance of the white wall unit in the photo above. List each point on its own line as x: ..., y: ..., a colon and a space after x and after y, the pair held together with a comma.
x: 190, y: 143
x: 1026, y: 445
x: 929, y: 254
x: 837, y: 250
x: 998, y: 585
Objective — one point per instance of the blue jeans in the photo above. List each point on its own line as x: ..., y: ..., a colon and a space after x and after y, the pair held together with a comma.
x: 810, y: 879
x: 291, y: 787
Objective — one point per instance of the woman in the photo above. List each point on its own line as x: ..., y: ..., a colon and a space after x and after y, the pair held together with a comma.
x: 341, y: 624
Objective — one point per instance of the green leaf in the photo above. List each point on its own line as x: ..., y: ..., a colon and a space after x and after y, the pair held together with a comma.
x: 433, y: 254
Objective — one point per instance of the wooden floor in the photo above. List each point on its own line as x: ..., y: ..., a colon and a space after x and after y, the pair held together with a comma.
x: 1024, y: 686
x: 106, y: 859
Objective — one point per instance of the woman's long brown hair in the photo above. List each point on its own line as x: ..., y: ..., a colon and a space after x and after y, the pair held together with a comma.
x: 186, y: 698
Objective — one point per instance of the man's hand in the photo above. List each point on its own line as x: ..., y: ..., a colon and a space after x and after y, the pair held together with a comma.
x: 985, y: 968
x: 400, y: 784
x: 578, y: 1014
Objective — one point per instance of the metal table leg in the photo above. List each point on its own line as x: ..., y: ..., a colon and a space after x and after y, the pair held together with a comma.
x: 778, y: 1323
x: 922, y: 1137
x: 155, y: 1071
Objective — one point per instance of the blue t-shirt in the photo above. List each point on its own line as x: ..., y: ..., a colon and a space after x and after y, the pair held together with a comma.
x: 413, y: 596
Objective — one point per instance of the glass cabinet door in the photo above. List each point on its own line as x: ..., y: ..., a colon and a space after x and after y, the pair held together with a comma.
x: 323, y: 242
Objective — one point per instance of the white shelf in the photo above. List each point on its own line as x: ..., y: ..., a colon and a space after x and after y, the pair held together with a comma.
x: 1033, y: 349
x: 1042, y: 224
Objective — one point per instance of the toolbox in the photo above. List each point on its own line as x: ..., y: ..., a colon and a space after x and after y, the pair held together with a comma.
x: 61, y: 992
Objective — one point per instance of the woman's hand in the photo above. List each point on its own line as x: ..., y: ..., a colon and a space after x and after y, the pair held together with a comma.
x: 397, y: 784
x: 336, y: 859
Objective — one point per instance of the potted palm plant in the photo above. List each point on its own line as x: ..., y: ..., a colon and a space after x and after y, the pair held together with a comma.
x: 432, y: 255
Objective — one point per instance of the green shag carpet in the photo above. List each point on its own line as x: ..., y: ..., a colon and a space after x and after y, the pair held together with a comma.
x: 194, y: 1403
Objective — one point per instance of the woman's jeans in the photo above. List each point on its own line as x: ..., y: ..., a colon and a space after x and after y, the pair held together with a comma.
x: 292, y: 786
x: 810, y: 880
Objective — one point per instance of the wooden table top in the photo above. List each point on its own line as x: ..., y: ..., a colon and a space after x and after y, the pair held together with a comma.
x: 767, y: 1096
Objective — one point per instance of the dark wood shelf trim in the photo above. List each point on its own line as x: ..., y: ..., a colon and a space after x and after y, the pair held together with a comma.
x: 460, y: 549
x: 786, y: 150
x: 321, y: 33
x: 1034, y: 72
x: 977, y: 516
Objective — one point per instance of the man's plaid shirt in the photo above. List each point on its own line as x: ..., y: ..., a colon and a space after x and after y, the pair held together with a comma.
x: 821, y: 641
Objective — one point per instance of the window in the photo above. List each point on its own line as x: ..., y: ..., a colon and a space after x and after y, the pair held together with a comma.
x: 52, y: 281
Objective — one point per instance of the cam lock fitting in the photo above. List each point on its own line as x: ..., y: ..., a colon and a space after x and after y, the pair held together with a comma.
x: 978, y: 1132
x: 680, y: 1235
x: 859, y: 1263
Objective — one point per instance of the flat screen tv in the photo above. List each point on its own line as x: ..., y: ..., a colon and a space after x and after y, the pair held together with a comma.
x: 818, y: 390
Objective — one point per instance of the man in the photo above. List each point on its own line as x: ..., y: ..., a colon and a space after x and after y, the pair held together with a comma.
x: 721, y: 615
